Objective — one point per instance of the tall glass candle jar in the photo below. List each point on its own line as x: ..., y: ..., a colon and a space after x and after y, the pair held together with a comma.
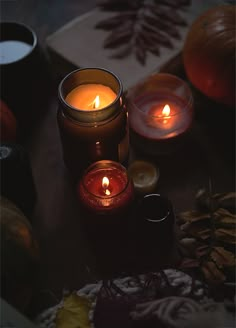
x: 92, y: 119
x: 106, y: 198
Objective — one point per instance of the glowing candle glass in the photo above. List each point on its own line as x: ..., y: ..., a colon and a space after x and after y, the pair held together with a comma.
x: 160, y: 112
x: 105, y: 188
x: 92, y: 119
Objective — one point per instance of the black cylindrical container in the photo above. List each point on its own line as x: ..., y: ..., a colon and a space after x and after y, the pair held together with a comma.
x: 155, y: 230
x: 93, y: 134
x: 16, y: 177
x: 24, y: 74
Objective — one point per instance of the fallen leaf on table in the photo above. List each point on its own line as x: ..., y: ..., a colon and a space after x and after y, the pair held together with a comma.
x: 193, y: 216
x: 226, y: 236
x: 223, y: 218
x: 212, y: 273
x: 199, y: 231
x: 228, y: 201
x: 74, y: 313
x: 223, y: 257
x: 213, y: 227
x: 201, y: 251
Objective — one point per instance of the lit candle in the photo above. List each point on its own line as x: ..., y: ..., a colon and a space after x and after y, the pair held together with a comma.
x: 162, y: 116
x: 91, y: 96
x: 92, y: 119
x: 160, y: 109
x: 105, y: 188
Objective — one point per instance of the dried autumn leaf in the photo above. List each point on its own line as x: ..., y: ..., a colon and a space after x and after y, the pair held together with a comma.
x: 198, y: 231
x: 212, y: 226
x: 145, y: 26
x: 223, y: 218
x: 193, y: 216
x: 174, y: 3
x: 175, y: 19
x: 123, y: 52
x: 114, y: 37
x: 212, y: 273
x: 228, y: 201
x: 115, y: 5
x: 225, y: 235
x: 201, y: 251
x: 74, y: 313
x: 223, y: 257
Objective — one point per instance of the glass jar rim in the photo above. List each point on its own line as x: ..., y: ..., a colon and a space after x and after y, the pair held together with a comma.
x: 188, y: 102
x: 81, y: 111
x: 105, y: 164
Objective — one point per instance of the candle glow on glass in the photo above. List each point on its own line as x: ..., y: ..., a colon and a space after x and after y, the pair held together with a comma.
x: 91, y: 96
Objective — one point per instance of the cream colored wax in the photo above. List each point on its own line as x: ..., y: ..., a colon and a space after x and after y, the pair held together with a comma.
x: 91, y: 96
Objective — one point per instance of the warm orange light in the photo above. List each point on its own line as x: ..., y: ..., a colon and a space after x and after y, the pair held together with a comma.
x: 166, y: 114
x: 96, y: 102
x: 105, y: 185
x: 166, y: 110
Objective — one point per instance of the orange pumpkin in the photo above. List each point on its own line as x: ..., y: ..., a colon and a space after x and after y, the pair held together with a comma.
x: 209, y: 54
x: 8, y: 124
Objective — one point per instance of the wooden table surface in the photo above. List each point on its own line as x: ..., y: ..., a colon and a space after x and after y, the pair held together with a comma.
x: 209, y: 154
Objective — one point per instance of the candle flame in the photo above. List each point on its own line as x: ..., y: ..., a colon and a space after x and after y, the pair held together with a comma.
x: 166, y: 114
x: 96, y: 102
x: 105, y: 184
x: 166, y: 110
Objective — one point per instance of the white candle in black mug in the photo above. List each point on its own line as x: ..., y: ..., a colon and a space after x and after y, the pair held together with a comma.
x: 24, y: 74
x: 13, y: 50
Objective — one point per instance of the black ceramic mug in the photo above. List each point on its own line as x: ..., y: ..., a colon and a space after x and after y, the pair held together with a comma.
x: 155, y: 230
x: 24, y: 74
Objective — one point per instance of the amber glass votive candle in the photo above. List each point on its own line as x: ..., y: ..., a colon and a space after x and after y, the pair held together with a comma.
x: 105, y: 188
x: 160, y: 113
x: 92, y: 119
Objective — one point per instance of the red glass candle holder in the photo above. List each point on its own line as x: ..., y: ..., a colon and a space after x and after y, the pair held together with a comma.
x: 93, y: 134
x: 160, y: 113
x: 110, y: 197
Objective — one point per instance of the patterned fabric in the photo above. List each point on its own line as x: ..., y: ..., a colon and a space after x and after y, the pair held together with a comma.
x: 166, y: 297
